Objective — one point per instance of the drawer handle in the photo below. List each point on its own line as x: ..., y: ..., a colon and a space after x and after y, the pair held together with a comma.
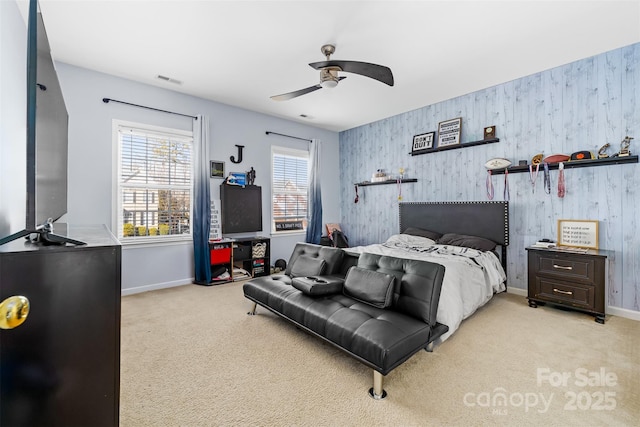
x: 562, y: 267
x: 562, y: 292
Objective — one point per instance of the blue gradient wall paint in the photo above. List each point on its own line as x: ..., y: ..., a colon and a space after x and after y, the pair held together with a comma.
x: 578, y: 106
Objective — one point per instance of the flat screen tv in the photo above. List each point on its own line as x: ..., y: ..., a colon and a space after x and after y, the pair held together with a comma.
x: 241, y: 208
x: 47, y: 139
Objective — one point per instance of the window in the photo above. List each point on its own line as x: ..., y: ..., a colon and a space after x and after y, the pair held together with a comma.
x: 289, y: 183
x: 154, y: 191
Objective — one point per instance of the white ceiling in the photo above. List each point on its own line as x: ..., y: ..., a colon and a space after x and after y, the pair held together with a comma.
x: 242, y: 52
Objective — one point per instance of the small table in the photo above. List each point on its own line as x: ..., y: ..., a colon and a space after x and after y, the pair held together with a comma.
x: 567, y: 278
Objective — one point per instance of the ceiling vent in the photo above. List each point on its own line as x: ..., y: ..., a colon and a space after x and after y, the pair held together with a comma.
x: 168, y: 79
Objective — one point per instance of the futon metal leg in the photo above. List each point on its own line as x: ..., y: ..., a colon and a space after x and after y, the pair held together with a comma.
x: 252, y: 312
x: 377, y: 392
x: 429, y: 347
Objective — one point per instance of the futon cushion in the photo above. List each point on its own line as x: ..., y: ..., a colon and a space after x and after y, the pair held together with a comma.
x: 418, y: 284
x: 370, y: 286
x: 332, y: 256
x: 317, y: 286
x: 308, y: 266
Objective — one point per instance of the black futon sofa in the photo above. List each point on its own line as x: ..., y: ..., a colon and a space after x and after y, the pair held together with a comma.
x: 378, y: 309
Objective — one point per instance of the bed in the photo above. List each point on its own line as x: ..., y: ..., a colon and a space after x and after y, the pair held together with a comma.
x: 457, y: 235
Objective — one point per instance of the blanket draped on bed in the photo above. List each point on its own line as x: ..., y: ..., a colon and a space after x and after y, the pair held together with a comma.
x: 471, y: 276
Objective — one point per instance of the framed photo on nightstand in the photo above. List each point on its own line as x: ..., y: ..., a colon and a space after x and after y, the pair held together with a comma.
x: 578, y: 233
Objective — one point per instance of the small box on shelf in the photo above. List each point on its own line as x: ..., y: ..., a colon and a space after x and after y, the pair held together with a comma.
x: 220, y: 255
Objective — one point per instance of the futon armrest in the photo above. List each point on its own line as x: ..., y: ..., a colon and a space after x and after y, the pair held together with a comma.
x: 318, y: 285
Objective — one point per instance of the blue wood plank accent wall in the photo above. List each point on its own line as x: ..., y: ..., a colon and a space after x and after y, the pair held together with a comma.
x: 578, y: 106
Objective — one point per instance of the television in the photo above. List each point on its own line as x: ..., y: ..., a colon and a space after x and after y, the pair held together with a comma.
x: 47, y: 139
x: 241, y: 208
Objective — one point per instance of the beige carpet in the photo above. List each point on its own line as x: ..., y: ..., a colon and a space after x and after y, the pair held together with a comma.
x: 192, y: 357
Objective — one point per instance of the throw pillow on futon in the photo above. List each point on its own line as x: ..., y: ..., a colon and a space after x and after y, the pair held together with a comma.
x: 369, y: 286
x: 308, y: 266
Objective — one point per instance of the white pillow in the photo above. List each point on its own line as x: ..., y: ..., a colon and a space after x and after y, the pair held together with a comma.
x: 410, y: 240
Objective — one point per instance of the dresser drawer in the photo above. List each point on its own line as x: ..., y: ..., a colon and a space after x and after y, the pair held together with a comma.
x: 567, y: 268
x: 575, y: 294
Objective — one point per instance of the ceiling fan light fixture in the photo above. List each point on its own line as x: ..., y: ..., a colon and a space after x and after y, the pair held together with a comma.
x: 328, y: 78
x: 329, y: 84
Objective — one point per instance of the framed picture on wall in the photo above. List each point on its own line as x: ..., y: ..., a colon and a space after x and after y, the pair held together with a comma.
x: 449, y: 132
x: 217, y: 169
x: 578, y: 233
x: 422, y: 143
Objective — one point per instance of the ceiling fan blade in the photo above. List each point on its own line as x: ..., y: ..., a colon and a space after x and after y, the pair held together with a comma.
x: 291, y: 95
x: 374, y: 71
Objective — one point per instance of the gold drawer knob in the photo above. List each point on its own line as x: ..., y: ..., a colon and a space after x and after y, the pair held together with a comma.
x: 13, y: 311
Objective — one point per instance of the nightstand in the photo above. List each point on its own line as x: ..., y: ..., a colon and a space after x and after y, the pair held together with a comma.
x: 569, y: 279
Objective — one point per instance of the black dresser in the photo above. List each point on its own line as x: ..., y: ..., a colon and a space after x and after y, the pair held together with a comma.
x: 61, y: 367
x: 568, y: 279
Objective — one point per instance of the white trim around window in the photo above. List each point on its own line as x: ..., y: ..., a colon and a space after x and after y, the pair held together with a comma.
x: 289, y: 184
x: 153, y: 184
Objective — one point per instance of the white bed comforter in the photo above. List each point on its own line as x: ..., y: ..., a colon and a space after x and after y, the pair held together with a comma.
x: 470, y: 280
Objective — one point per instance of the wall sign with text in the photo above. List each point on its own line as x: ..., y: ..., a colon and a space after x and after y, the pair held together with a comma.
x: 449, y: 132
x: 578, y: 233
x: 422, y: 143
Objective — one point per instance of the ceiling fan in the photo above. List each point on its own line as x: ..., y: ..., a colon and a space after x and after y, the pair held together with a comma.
x: 329, y: 73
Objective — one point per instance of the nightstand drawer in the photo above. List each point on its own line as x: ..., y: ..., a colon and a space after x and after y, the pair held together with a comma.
x: 574, y: 294
x: 575, y: 280
x: 567, y: 268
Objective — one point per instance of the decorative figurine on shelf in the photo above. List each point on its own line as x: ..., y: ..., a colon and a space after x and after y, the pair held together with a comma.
x: 251, y: 176
x: 602, y: 151
x: 379, y: 176
x: 624, y: 147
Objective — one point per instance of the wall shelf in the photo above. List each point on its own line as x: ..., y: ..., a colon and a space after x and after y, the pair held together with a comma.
x: 574, y: 164
x: 390, y: 181
x: 456, y: 146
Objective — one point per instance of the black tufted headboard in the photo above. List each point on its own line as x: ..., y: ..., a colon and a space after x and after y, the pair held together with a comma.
x: 489, y: 220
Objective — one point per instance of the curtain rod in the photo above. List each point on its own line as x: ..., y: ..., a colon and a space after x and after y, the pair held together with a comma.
x: 288, y: 136
x: 106, y: 101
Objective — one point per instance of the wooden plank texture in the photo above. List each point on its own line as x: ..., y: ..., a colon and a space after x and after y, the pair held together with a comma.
x: 578, y: 106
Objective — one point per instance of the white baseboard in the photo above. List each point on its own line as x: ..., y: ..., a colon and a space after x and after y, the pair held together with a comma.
x: 155, y: 286
x: 517, y: 291
x: 614, y: 311
x: 623, y: 312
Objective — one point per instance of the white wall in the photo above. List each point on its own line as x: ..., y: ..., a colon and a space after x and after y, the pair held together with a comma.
x: 13, y: 116
x: 91, y: 170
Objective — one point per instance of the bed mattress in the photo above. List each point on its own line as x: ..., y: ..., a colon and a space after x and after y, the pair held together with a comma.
x: 471, y: 276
